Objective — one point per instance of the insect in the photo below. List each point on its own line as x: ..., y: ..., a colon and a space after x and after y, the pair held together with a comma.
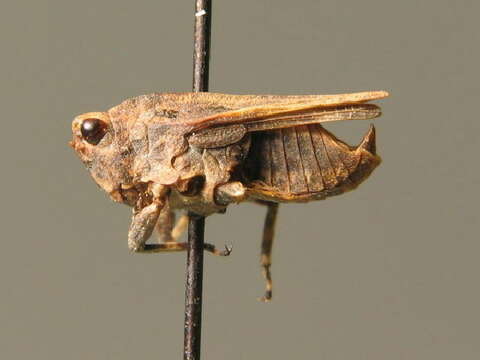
x: 200, y: 152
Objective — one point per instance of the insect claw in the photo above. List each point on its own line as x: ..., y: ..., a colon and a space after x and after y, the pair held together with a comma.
x: 266, y: 298
x: 228, y: 250
x: 211, y: 248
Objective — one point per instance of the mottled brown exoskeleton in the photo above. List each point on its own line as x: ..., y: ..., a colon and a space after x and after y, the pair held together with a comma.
x: 199, y: 152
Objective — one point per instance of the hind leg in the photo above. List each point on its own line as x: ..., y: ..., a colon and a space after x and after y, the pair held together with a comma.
x: 267, y: 244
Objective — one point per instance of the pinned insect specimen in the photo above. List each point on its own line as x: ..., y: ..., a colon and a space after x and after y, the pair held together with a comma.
x: 199, y: 152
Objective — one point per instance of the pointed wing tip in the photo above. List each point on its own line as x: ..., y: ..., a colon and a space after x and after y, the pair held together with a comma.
x: 381, y: 94
x: 375, y: 95
x: 359, y: 97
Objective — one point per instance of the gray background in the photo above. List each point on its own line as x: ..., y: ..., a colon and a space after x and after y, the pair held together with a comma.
x: 389, y: 271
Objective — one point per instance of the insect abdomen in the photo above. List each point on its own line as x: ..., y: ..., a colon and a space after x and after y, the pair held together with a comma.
x: 307, y: 162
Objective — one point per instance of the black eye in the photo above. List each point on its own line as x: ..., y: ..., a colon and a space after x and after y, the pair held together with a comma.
x: 93, y: 130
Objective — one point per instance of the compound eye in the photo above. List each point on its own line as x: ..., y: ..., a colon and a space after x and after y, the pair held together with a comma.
x: 93, y: 130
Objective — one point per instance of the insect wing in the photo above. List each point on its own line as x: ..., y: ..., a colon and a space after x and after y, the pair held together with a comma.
x: 228, y: 127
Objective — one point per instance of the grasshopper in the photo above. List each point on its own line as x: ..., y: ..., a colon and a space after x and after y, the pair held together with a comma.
x: 200, y: 152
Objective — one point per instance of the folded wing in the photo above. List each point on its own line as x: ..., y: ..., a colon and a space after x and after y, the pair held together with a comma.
x: 227, y: 127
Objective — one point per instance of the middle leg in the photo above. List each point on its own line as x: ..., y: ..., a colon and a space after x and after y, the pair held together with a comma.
x: 167, y: 229
x: 168, y: 235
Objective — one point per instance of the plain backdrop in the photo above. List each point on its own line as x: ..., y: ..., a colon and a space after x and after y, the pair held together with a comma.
x: 389, y: 271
